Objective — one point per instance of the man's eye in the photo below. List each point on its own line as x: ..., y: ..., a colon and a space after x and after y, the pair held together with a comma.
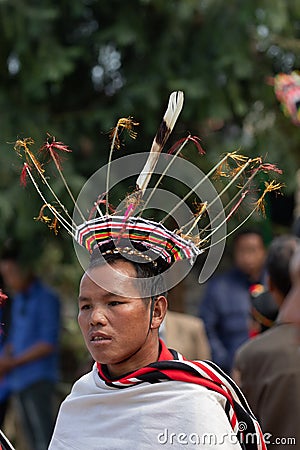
x: 115, y: 303
x: 85, y: 307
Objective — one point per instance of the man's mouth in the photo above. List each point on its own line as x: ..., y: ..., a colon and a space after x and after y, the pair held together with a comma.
x: 99, y: 338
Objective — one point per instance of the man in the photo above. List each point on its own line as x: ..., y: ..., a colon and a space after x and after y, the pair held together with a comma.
x: 30, y: 359
x: 136, y: 392
x: 139, y: 394
x: 226, y: 307
x: 268, y: 367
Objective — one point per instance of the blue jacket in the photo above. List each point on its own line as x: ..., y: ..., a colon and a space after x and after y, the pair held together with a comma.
x: 225, y: 310
x: 4, y: 325
x: 35, y: 318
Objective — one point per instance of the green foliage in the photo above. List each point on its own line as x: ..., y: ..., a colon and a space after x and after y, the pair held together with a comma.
x: 72, y: 68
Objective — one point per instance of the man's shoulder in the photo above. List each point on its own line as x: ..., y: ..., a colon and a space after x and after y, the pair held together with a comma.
x: 42, y: 288
x: 263, y: 344
x: 84, y: 384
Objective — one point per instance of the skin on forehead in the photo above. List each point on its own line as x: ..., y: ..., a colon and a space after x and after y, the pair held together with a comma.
x: 118, y: 278
x: 141, y: 279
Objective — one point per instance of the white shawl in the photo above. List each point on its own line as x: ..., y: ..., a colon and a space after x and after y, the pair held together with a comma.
x: 167, y: 415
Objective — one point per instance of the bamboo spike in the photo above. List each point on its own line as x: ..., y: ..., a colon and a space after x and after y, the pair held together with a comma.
x: 242, y: 169
x: 127, y: 123
x: 115, y: 136
x: 195, y: 187
x: 63, y: 221
x: 98, y: 209
x: 231, y: 232
x: 162, y: 175
x: 203, y: 209
x: 67, y: 187
x: 272, y: 186
x: 45, y: 181
x: 239, y: 193
x: 223, y: 191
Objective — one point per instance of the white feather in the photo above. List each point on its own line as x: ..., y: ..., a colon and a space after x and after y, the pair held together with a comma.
x: 170, y: 117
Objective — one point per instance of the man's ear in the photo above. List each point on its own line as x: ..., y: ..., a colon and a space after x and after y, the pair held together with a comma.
x: 159, y: 311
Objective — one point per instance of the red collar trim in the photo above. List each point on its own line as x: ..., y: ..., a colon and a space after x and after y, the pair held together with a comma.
x: 165, y: 355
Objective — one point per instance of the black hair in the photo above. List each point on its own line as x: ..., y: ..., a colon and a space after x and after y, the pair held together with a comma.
x: 22, y: 253
x: 150, y: 281
x: 10, y: 250
x: 246, y: 232
x: 279, y: 255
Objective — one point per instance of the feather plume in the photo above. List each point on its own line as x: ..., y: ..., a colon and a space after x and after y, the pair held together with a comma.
x: 171, y: 115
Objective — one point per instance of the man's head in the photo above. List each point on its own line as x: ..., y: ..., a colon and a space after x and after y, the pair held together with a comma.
x: 249, y: 253
x: 278, y: 260
x: 120, y: 325
x: 290, y: 309
x: 15, y: 273
x: 148, y: 280
x: 295, y: 267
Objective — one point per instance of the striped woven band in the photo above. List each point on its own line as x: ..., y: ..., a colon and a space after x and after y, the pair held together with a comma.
x: 152, y: 236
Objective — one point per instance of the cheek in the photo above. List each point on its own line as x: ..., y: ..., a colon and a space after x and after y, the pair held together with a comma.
x: 82, y: 322
x: 134, y: 323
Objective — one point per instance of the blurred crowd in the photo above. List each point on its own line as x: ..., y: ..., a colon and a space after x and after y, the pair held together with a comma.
x: 247, y: 323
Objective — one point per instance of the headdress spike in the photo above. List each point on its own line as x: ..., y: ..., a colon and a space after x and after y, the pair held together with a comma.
x: 170, y: 117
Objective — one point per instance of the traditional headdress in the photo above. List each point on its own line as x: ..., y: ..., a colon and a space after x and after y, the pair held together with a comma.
x: 287, y: 90
x: 123, y: 229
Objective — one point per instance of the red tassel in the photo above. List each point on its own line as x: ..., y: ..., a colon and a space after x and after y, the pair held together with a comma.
x: 266, y: 167
x: 24, y: 174
x: 100, y: 201
x: 236, y: 207
x: 50, y: 148
x: 194, y: 139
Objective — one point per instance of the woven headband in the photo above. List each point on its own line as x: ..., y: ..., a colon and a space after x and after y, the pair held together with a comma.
x: 153, y: 236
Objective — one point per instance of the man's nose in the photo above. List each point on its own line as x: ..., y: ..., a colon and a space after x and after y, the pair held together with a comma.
x: 98, y: 316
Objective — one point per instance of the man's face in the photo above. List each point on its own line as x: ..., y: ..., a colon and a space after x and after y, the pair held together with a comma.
x: 250, y: 254
x: 115, y: 326
x: 12, y: 276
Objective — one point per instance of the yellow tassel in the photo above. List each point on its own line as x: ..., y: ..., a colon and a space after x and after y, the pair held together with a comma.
x: 42, y: 217
x: 30, y: 158
x: 127, y: 124
x: 260, y: 204
x: 54, y: 226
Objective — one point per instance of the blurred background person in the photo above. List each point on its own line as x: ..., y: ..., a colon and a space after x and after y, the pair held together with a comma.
x: 264, y: 309
x: 290, y: 309
x: 4, y: 326
x: 267, y: 367
x: 226, y: 307
x: 30, y: 356
x: 186, y: 334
